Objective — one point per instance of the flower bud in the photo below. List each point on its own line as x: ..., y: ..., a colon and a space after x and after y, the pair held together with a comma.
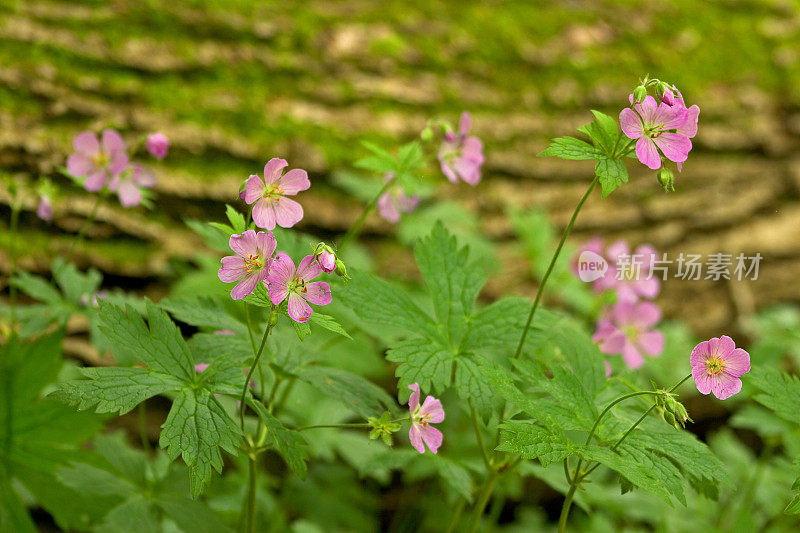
x: 273, y: 317
x: 341, y: 270
x: 327, y: 260
x: 639, y: 94
x: 667, y: 179
x: 669, y: 418
x: 427, y: 134
x: 158, y: 145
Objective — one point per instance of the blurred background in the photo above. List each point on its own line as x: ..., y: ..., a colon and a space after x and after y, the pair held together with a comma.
x: 233, y: 83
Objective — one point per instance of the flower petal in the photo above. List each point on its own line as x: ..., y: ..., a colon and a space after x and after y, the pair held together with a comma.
x: 79, y: 165
x: 266, y: 244
x: 701, y: 378
x: 264, y: 214
x: 278, y: 290
x: 129, y: 194
x: 287, y: 212
x: 253, y: 189
x: 700, y: 353
x: 689, y: 128
x: 646, y: 314
x: 95, y: 180
x: 447, y: 171
x: 299, y: 309
x: 464, y: 123
x: 246, y: 286
x: 724, y: 385
x: 308, y: 269
x: 721, y: 346
x: 318, y: 293
x: 647, y: 153
x: 244, y: 244
x: 631, y: 124
x: 413, y: 400
x: 86, y: 144
x: 737, y: 363
x: 432, y: 437
x: 652, y: 343
x: 294, y: 181
x: 415, y: 438
x: 273, y: 169
x: 232, y: 269
x: 112, y: 142
x: 432, y: 407
x: 118, y: 163
x: 675, y: 147
x: 631, y: 356
x: 387, y: 208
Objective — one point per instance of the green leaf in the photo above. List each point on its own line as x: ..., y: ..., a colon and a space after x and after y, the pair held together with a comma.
x: 90, y: 479
x: 533, y: 441
x: 13, y: 515
x: 113, y: 389
x: 259, y: 297
x: 611, y: 173
x: 213, y: 237
x: 498, y: 325
x: 196, y: 428
x: 236, y: 219
x: 455, y: 476
x: 470, y: 384
x: 329, y: 323
x: 355, y: 392
x: 608, y: 126
x: 75, y: 285
x: 302, y: 329
x: 36, y: 287
x: 452, y: 280
x: 191, y: 516
x: 779, y: 392
x: 422, y: 361
x: 571, y: 148
x: 134, y: 514
x: 288, y: 443
x: 378, y: 302
x: 203, y: 311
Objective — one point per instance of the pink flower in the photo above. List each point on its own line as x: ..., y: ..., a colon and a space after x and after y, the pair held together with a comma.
x: 296, y: 285
x: 717, y: 365
x: 251, y: 263
x: 626, y: 329
x: 97, y: 163
x: 224, y: 332
x: 327, y: 261
x: 651, y: 123
x: 430, y: 412
x: 394, y: 202
x: 45, y: 209
x: 158, y: 145
x: 460, y: 155
x: 631, y: 275
x: 201, y: 367
x: 128, y: 185
x: 269, y: 195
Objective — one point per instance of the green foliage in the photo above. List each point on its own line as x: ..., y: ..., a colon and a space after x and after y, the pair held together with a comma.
x: 197, y: 425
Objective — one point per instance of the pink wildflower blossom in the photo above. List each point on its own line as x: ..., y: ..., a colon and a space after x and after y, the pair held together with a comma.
x: 224, y: 332
x: 45, y: 209
x: 626, y: 329
x: 201, y: 367
x: 461, y: 155
x: 394, y: 202
x: 430, y: 412
x: 97, y: 160
x: 717, y: 365
x: 251, y: 263
x: 130, y: 183
x: 654, y: 125
x: 296, y: 285
x: 689, y: 128
x: 158, y: 145
x: 630, y: 274
x: 269, y: 195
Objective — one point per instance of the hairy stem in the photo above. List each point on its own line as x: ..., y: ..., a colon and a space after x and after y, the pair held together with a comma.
x: 355, y: 229
x: 267, y: 330
x: 562, y: 519
x: 479, y: 437
x: 552, y: 265
x: 483, y: 499
x: 250, y: 515
x: 457, y: 515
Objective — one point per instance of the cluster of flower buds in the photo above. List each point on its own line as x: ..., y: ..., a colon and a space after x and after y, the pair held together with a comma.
x: 327, y: 259
x: 672, y: 411
x: 383, y: 427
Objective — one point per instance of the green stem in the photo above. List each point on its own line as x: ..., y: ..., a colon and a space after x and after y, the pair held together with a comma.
x: 346, y: 426
x: 243, y: 406
x: 479, y: 437
x: 552, y: 265
x: 355, y: 229
x: 252, y: 488
x: 562, y: 520
x: 457, y: 515
x: 483, y: 499
x: 82, y: 232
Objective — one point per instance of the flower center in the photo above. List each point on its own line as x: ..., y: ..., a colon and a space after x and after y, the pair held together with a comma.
x: 422, y: 420
x: 272, y: 192
x: 297, y: 285
x: 715, y: 365
x: 100, y: 159
x: 252, y: 262
x: 654, y: 130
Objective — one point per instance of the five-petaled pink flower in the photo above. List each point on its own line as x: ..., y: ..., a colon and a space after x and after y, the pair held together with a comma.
x: 654, y: 126
x: 717, y: 365
x: 430, y: 412
x: 461, y: 155
x: 395, y: 201
x: 97, y: 160
x: 626, y: 329
x: 130, y: 183
x: 157, y: 144
x: 251, y: 263
x: 269, y: 195
x: 629, y: 274
x: 285, y: 281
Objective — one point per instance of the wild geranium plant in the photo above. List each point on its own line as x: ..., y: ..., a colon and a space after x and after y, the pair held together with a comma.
x: 269, y: 351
